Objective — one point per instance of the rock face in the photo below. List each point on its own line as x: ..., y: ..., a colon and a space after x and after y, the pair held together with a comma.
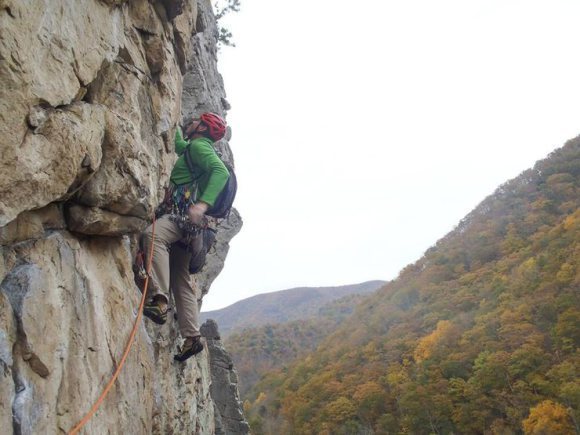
x: 91, y: 92
x: 229, y: 417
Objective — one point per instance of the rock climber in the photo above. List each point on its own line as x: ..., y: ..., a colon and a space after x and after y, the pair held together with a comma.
x: 177, y: 234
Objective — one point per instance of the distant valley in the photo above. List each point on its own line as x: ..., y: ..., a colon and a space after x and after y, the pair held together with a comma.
x: 282, y: 306
x: 479, y: 336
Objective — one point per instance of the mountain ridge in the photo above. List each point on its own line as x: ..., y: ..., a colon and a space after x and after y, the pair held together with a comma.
x: 282, y: 306
x: 257, y: 350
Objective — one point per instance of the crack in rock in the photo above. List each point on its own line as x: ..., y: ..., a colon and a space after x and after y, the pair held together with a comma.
x: 16, y: 286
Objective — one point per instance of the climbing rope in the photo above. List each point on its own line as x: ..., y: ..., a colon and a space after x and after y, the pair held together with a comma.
x: 89, y: 414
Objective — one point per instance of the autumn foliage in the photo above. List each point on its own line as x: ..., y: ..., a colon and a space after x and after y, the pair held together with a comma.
x: 257, y: 350
x: 480, y: 336
x: 548, y: 417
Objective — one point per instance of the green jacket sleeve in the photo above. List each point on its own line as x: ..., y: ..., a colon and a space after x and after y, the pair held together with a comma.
x: 180, y: 143
x: 204, y: 156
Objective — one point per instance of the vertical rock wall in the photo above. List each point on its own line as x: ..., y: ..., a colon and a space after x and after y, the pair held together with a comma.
x: 90, y: 95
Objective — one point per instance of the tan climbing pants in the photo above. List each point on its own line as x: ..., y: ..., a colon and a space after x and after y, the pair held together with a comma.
x: 170, y: 270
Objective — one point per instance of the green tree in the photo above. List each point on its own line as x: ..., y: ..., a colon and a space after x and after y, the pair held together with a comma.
x: 567, y: 330
x: 223, y: 8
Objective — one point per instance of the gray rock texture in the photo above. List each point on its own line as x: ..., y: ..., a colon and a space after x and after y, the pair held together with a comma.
x: 229, y: 417
x: 91, y: 92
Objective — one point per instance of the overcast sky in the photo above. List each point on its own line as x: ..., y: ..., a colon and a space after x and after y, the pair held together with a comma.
x: 364, y: 132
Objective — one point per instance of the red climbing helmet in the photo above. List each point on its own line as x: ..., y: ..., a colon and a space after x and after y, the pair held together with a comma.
x: 215, y: 124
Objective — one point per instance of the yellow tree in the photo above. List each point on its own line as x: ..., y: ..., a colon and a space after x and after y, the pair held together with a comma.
x: 548, y: 418
x: 428, y: 344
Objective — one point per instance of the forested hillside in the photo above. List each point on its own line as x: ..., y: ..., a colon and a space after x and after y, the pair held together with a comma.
x: 255, y: 351
x: 481, y: 335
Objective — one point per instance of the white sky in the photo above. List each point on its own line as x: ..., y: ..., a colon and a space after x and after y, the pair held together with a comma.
x: 363, y: 132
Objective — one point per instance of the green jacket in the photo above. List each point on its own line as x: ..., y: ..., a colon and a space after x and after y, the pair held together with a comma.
x: 210, y: 174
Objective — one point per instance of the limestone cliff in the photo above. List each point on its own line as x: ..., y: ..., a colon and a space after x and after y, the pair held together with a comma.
x: 91, y: 92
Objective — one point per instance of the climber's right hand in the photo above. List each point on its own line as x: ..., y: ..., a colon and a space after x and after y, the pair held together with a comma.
x: 196, y: 212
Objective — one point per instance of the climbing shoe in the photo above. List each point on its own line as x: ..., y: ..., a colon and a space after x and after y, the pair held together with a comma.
x: 191, y: 346
x: 155, y: 312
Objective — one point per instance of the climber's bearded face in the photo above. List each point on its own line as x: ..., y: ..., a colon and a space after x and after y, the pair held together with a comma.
x: 192, y: 128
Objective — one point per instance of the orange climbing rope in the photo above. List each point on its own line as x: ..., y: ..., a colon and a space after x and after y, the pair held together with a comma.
x: 89, y: 414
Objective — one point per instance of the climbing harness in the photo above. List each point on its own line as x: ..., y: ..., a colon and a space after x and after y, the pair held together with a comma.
x: 177, y: 199
x: 97, y: 404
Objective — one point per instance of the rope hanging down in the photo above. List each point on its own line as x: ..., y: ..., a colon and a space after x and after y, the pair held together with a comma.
x: 89, y: 414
